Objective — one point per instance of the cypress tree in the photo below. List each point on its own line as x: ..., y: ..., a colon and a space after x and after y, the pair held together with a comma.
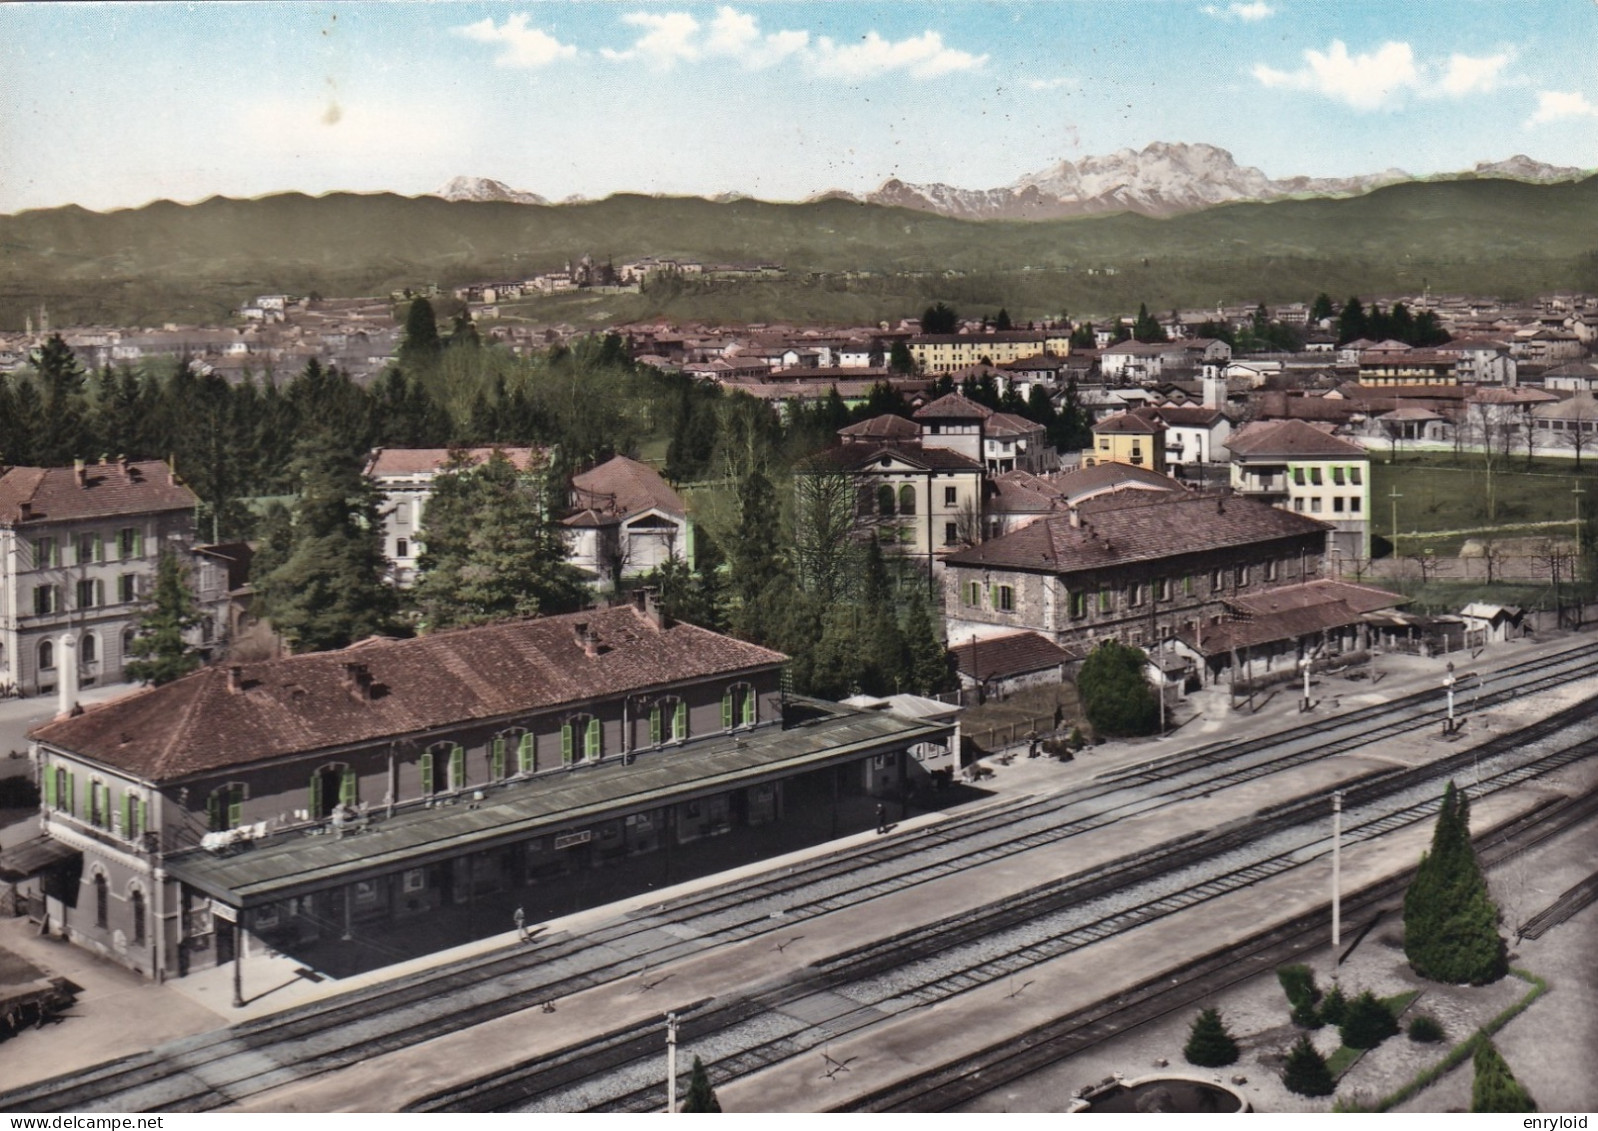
x: 1306, y: 1072
x: 701, y: 1096
x: 1495, y: 1088
x: 1209, y: 1044
x: 1450, y: 922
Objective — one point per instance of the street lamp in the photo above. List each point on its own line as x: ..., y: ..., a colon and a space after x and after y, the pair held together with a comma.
x: 671, y: 1063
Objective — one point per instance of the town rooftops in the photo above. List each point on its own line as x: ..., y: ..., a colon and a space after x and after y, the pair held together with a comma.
x: 879, y: 428
x: 954, y: 406
x: 621, y: 487
x: 1130, y: 423
x: 860, y: 457
x: 1012, y: 654
x: 1136, y: 526
x: 425, y: 461
x: 1190, y: 416
x: 383, y: 688
x: 1290, y: 439
x: 1515, y: 396
x: 1009, y: 424
x: 1009, y: 336
x: 95, y: 490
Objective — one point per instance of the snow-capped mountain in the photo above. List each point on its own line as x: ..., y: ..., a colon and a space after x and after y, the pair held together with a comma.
x: 1162, y: 180
x: 483, y: 188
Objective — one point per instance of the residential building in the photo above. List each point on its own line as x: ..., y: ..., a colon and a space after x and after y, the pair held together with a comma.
x: 1011, y: 443
x: 627, y: 521
x: 79, y: 547
x: 1301, y: 468
x: 1379, y: 368
x: 1136, y: 438
x: 945, y: 353
x: 1134, y: 566
x: 999, y: 666
x: 349, y: 808
x: 405, y: 477
x: 1194, y: 435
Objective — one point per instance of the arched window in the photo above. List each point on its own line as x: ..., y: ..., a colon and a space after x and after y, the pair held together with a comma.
x: 581, y: 738
x: 333, y: 785
x: 89, y: 648
x: 224, y: 808
x: 740, y: 707
x: 136, y: 908
x: 47, y: 655
x: 885, y: 500
x: 668, y: 720
x: 102, y: 901
x: 907, y: 499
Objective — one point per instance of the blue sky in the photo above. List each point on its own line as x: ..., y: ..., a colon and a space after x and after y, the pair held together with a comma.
x: 115, y: 105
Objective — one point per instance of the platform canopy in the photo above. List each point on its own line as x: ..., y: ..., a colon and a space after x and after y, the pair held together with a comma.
x: 30, y: 857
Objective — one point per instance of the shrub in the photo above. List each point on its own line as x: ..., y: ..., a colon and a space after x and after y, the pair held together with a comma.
x: 1368, y: 1023
x: 1425, y: 1030
x: 1298, y: 983
x: 1495, y: 1088
x: 701, y: 1096
x: 1209, y: 1045
x: 1306, y: 1071
x: 1334, y: 1009
x: 1116, y: 696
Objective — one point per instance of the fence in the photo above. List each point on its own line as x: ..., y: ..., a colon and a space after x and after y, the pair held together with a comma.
x: 996, y: 738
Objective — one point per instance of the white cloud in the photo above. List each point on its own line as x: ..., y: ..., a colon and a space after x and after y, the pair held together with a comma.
x: 1064, y: 81
x: 1365, y: 82
x: 1468, y: 74
x: 670, y: 38
x: 923, y: 56
x: 1248, y: 13
x: 522, y: 45
x: 1556, y: 106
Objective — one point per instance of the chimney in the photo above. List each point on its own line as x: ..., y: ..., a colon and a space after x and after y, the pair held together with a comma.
x: 358, y: 678
x: 589, y: 640
x: 80, y: 473
x: 235, y: 679
x: 25, y: 510
x: 66, y: 663
x: 1076, y: 516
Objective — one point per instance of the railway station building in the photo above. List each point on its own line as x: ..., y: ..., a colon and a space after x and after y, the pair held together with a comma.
x: 357, y: 807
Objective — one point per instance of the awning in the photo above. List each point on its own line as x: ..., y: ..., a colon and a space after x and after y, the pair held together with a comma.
x: 30, y: 857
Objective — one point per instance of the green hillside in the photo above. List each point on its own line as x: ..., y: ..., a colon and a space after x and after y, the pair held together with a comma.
x: 179, y: 262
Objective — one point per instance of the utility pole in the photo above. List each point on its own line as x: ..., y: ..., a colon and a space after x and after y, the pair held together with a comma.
x: 1337, y: 867
x: 1448, y: 687
x: 671, y: 1062
x: 1395, y: 496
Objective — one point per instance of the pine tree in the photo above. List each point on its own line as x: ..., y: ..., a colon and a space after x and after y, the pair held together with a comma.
x: 928, y: 658
x: 1209, y: 1044
x: 1334, y: 1009
x: 1495, y: 1088
x: 421, y: 348
x: 1367, y: 1022
x: 162, y: 653
x: 1306, y: 1072
x: 1450, y: 922
x: 330, y: 590
x: 701, y: 1096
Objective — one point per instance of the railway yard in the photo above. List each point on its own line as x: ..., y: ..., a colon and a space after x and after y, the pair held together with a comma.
x: 996, y: 956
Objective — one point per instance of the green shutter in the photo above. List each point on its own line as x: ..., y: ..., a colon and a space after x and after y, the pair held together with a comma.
x: 348, y: 788
x: 496, y: 763
x: 751, y: 707
x: 144, y: 815
x: 591, y: 743
x: 457, y: 767
x: 71, y: 805
x: 49, y: 787
x: 427, y: 773
x: 138, y: 543
x: 316, y: 795
x: 524, y: 754
x: 235, y: 806
x: 99, y: 548
x: 566, y: 744
x: 130, y: 809
x: 726, y: 710
x: 679, y: 722
x: 213, y: 808
x: 654, y: 725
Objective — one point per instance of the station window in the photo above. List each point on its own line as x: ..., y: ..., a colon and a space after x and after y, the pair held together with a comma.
x: 1007, y: 598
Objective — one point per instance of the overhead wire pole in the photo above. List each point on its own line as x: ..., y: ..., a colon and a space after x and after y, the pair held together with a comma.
x: 671, y: 1062
x: 1337, y: 868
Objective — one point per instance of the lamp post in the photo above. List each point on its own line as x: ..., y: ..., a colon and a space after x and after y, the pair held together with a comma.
x: 671, y: 1062
x: 1304, y: 666
x: 1448, y: 687
x: 1337, y: 867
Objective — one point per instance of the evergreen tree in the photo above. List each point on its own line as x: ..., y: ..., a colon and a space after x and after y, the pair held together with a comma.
x: 1116, y: 696
x: 939, y: 319
x: 62, y: 437
x: 1495, y: 1088
x: 1001, y: 321
x: 1209, y: 1044
x: 330, y: 590
x: 1082, y: 338
x: 1147, y: 328
x: 1334, y: 1010
x: 421, y: 348
x: 493, y: 550
x: 928, y: 660
x: 1367, y: 1022
x: 162, y: 654
x: 1450, y: 922
x: 1306, y: 1072
x: 753, y: 565
x: 1351, y: 321
x: 900, y: 359
x: 701, y: 1096
x: 1321, y: 309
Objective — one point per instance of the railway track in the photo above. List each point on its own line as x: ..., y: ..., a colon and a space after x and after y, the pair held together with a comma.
x: 853, y: 990
x: 1570, y: 903
x: 215, y: 1069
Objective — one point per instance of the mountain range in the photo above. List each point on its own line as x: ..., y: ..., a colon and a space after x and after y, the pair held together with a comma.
x: 1163, y: 179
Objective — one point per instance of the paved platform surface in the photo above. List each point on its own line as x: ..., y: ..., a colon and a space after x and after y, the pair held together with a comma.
x: 98, y: 1029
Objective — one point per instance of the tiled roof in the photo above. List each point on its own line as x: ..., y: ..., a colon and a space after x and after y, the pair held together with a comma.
x: 102, y: 490
x: 1360, y: 598
x: 1290, y: 438
x: 954, y: 406
x: 622, y: 487
x: 859, y: 457
x: 304, y: 703
x: 1013, y: 654
x: 1009, y: 424
x: 1516, y: 396
x: 1289, y: 624
x: 991, y: 336
x: 1190, y: 416
x: 1410, y: 413
x: 417, y: 461
x: 1129, y: 423
x: 1137, y: 526
x: 884, y: 427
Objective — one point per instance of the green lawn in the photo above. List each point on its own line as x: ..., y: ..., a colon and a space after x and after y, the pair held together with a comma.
x: 1341, y: 1060
x: 1440, y: 492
